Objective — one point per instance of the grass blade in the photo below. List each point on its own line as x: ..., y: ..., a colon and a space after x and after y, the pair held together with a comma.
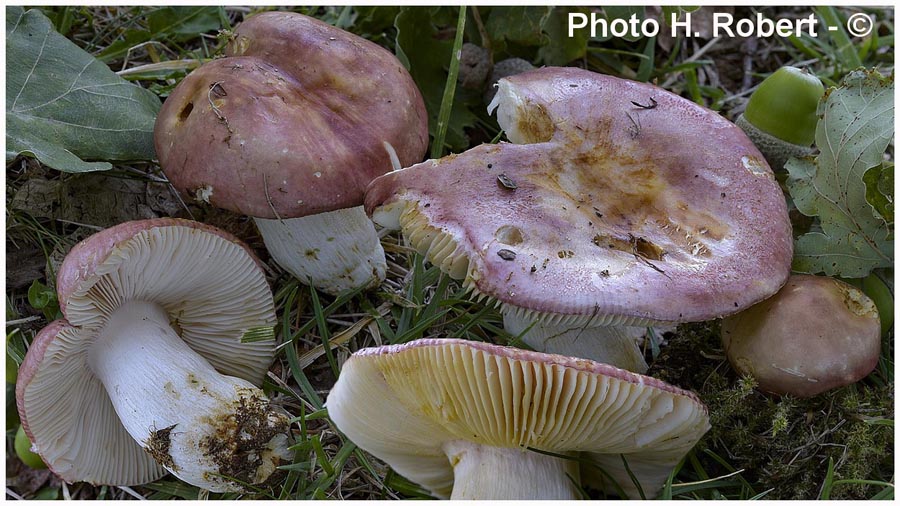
x: 633, y: 478
x: 324, y: 333
x: 437, y: 149
x: 828, y: 484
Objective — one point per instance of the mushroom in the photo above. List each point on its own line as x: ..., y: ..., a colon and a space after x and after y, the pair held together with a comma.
x: 289, y: 128
x: 814, y: 335
x: 460, y: 418
x: 168, y: 334
x: 620, y: 204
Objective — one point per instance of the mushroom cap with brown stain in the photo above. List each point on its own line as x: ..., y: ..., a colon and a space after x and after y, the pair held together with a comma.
x: 815, y: 334
x: 621, y: 203
x: 402, y: 403
x: 293, y: 122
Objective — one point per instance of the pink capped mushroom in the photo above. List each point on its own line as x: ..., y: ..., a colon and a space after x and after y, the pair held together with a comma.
x: 289, y: 128
x: 153, y: 368
x: 815, y: 334
x: 462, y: 419
x: 618, y: 204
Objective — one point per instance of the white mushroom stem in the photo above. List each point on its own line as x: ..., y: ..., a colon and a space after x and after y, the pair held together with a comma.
x: 334, y: 251
x: 196, y: 422
x: 614, y: 345
x: 489, y: 472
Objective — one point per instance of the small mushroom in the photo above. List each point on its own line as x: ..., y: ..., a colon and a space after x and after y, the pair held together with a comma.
x: 289, y: 128
x: 460, y: 418
x: 814, y: 335
x: 150, y: 372
x: 622, y: 215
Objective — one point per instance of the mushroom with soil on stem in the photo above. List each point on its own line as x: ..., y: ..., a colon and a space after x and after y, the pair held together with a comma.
x: 289, y: 128
x: 815, y: 334
x: 168, y: 334
x: 618, y: 204
x: 461, y: 418
x: 781, y: 117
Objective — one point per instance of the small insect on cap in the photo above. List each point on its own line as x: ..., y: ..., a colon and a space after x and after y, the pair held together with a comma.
x: 619, y: 203
x: 460, y: 418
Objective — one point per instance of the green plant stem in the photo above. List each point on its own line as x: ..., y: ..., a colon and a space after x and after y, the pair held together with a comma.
x: 437, y: 148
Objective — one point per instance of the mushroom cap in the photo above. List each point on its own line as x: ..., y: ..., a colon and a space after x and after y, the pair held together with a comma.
x: 402, y: 403
x: 605, y: 211
x: 293, y: 122
x: 69, y: 417
x: 815, y: 334
x: 208, y: 281
x: 214, y: 291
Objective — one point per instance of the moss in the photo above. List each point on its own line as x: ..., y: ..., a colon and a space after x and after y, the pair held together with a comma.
x: 782, y: 444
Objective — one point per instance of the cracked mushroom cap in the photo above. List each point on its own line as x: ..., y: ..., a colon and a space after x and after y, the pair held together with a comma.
x: 292, y: 122
x: 406, y: 403
x: 619, y: 203
x: 815, y: 334
x: 214, y: 292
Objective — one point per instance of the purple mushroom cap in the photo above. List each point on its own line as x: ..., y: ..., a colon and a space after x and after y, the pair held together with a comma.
x: 620, y: 203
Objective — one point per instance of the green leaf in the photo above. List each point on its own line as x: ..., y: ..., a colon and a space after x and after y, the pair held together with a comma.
x: 428, y: 59
x: 855, y: 126
x: 183, y: 23
x: 624, y: 13
x: 561, y: 48
x: 372, y: 21
x: 521, y: 25
x: 880, y: 190
x: 40, y: 296
x: 63, y: 106
x: 46, y: 493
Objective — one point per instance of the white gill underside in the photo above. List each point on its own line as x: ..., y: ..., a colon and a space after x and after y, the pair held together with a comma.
x: 75, y: 425
x: 175, y: 404
x: 614, y: 345
x: 334, y: 251
x: 211, y: 289
x: 422, y: 397
x: 487, y: 472
x: 442, y: 249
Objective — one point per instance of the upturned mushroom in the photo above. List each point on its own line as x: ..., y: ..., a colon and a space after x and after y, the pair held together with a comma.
x: 619, y: 204
x: 815, y: 334
x: 150, y: 370
x: 461, y: 419
x: 289, y: 128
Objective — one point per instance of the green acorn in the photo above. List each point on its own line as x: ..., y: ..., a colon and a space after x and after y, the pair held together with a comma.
x: 23, y: 450
x: 781, y: 115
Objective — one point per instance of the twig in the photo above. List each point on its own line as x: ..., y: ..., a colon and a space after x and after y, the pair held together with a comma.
x: 671, y: 80
x: 23, y: 320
